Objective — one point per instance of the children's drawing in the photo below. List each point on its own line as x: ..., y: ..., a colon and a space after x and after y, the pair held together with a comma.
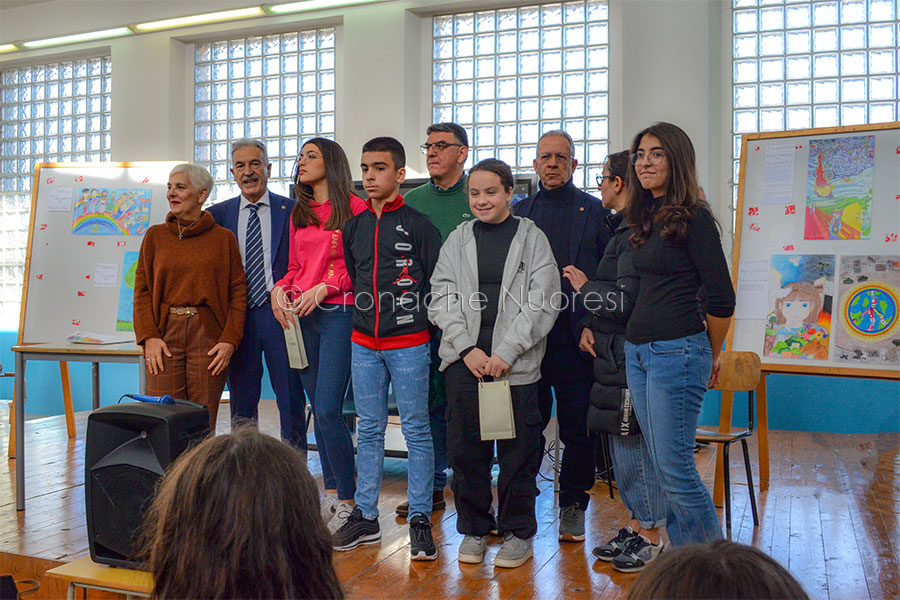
x: 868, y: 328
x: 839, y: 188
x: 125, y: 315
x: 800, y: 297
x: 112, y: 211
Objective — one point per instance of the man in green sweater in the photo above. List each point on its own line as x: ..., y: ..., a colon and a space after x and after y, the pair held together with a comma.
x: 446, y: 203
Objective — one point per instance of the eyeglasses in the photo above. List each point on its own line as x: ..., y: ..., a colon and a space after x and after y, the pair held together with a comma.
x: 438, y: 146
x: 654, y: 156
x: 600, y: 179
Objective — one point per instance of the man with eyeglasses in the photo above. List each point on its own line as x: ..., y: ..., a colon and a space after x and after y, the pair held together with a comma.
x: 573, y: 222
x: 444, y: 200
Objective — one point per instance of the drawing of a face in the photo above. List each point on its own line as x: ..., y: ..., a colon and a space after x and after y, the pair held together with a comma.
x: 795, y: 312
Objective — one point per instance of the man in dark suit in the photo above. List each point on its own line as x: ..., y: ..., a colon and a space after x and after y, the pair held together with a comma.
x: 573, y: 222
x: 260, y: 220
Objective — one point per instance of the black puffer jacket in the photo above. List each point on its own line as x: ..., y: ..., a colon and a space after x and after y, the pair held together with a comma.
x: 609, y: 300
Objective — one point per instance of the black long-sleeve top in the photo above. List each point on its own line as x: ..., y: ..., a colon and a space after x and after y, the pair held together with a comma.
x: 492, y: 242
x: 671, y: 274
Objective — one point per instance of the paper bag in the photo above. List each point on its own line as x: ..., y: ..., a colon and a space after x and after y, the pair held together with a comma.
x: 296, y: 349
x: 495, y: 410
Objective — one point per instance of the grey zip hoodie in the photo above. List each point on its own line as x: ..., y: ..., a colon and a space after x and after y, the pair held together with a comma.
x: 526, y: 313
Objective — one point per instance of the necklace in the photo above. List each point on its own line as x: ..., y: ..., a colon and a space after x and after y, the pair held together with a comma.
x: 181, y: 229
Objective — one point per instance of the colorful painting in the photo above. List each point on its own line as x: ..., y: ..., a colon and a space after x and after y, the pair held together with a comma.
x: 868, y: 327
x: 125, y: 316
x: 112, y: 211
x: 798, y: 325
x: 839, y: 188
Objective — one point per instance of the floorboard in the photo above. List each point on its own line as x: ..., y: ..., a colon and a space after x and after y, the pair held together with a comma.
x: 830, y: 515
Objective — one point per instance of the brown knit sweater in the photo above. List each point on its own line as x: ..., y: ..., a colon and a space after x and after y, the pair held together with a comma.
x: 203, y: 269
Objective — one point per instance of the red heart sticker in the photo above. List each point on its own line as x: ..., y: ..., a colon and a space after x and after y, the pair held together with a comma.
x: 788, y: 247
x: 87, y: 276
x: 50, y: 180
x: 757, y: 149
x: 80, y: 293
x: 90, y: 243
x: 41, y: 276
x: 791, y: 209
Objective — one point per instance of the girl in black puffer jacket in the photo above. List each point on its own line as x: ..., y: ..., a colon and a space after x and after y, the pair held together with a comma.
x: 609, y: 300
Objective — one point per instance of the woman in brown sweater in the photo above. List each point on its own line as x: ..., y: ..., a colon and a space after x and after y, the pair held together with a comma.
x: 190, y: 296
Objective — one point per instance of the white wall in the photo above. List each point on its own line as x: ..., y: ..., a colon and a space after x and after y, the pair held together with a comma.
x: 670, y: 60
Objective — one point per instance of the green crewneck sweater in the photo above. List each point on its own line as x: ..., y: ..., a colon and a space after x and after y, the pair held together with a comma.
x: 445, y: 208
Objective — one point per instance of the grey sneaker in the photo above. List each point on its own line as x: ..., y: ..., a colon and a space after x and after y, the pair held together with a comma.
x: 329, y: 508
x: 615, y: 546
x: 340, y: 517
x: 514, y: 552
x: 638, y: 553
x: 571, y: 523
x: 471, y: 549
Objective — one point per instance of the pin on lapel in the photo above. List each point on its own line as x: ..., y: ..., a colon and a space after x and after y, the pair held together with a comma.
x: 581, y: 209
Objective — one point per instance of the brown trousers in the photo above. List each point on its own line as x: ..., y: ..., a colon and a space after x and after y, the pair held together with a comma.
x: 186, y: 376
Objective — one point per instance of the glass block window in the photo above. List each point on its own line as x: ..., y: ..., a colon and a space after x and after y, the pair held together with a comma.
x: 278, y: 88
x: 801, y: 64
x: 57, y: 112
x: 509, y: 75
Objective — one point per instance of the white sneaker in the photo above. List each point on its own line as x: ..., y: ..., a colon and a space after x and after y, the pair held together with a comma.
x: 340, y: 517
x: 471, y: 549
x: 329, y: 508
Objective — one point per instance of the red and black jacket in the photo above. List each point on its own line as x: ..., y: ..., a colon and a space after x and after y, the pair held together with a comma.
x: 390, y: 260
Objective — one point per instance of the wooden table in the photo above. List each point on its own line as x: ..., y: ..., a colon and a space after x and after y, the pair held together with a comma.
x: 65, y: 352
x: 87, y: 574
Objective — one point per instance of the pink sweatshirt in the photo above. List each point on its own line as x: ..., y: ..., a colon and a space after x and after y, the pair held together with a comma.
x: 317, y: 256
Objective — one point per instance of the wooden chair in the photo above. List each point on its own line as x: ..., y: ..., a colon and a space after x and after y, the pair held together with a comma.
x: 740, y: 373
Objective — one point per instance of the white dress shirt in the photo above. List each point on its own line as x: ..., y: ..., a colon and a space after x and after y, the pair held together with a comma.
x: 265, y: 222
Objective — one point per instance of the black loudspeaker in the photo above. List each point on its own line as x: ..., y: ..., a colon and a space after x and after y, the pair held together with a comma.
x: 126, y: 452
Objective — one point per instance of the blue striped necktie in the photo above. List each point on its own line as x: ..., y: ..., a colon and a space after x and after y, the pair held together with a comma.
x: 257, y: 294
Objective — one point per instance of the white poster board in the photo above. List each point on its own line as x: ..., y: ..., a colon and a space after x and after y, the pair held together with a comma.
x: 87, y: 225
x: 816, y: 255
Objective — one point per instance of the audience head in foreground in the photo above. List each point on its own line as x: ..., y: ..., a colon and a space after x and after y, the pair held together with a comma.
x: 718, y: 570
x: 238, y: 517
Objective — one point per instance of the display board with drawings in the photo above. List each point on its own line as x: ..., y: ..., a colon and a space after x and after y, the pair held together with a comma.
x: 816, y: 252
x: 87, y: 225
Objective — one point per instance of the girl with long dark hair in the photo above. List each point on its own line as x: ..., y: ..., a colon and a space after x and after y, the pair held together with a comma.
x: 672, y: 350
x: 238, y: 517
x: 317, y: 289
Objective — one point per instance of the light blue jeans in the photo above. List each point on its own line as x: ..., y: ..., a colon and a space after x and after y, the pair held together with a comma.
x: 407, y: 370
x: 667, y: 380
x: 636, y: 476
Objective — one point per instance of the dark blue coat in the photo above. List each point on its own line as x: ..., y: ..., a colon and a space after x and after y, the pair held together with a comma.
x: 589, y: 237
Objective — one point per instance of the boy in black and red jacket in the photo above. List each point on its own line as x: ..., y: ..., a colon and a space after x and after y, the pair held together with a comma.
x: 390, y: 252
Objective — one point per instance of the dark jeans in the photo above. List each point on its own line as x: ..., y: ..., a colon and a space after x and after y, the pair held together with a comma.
x: 569, y: 373
x: 263, y: 335
x: 471, y: 459
x: 326, y: 335
x: 437, y: 415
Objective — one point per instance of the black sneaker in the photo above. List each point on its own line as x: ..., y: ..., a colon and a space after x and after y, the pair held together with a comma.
x: 356, y: 531
x: 638, y: 553
x: 615, y: 546
x: 421, y: 544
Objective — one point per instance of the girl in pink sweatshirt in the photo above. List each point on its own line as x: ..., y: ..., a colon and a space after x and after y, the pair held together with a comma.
x: 318, y: 290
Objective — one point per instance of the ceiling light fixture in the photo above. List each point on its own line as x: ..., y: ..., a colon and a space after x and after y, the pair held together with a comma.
x: 225, y: 15
x: 79, y: 37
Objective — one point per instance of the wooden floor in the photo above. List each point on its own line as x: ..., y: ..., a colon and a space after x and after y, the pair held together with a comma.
x: 830, y: 515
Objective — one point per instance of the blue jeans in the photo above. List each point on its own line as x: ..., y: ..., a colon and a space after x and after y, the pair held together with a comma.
x: 407, y: 369
x: 637, y: 480
x: 326, y: 335
x: 667, y: 380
